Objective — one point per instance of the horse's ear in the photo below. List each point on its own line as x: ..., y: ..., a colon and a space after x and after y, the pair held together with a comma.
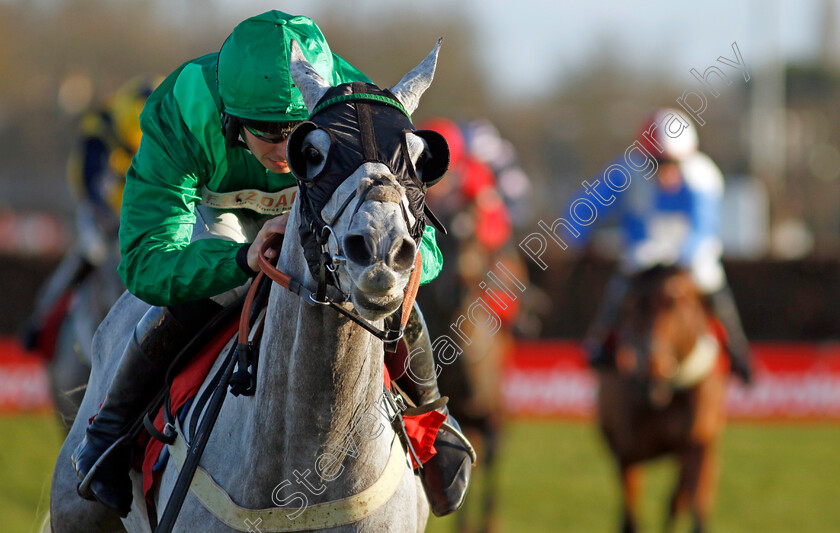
x: 311, y: 85
x: 409, y: 90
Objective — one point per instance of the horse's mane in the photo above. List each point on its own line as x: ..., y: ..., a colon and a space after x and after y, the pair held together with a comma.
x: 646, y: 284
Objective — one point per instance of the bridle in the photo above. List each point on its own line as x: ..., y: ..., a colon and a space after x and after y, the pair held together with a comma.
x: 356, y: 141
x: 362, y: 142
x: 270, y: 270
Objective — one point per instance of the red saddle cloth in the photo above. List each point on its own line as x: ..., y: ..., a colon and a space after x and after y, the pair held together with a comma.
x: 421, y: 429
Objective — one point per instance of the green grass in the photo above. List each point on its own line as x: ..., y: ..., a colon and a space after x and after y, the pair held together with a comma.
x: 28, y: 450
x: 780, y: 478
x: 554, y: 477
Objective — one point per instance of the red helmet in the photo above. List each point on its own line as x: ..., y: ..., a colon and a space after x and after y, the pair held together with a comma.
x: 452, y: 133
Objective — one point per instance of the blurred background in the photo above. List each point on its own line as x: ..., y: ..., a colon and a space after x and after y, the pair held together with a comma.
x: 562, y: 87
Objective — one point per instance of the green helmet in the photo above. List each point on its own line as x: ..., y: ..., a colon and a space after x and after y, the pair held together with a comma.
x: 253, y: 70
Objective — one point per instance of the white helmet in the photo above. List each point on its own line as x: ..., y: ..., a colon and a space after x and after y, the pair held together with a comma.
x: 674, y: 136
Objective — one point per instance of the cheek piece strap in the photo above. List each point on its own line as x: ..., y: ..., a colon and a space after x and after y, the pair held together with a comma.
x: 366, y: 125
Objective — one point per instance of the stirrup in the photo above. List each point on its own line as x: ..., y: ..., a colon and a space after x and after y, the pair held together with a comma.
x: 464, y: 440
x: 83, y: 488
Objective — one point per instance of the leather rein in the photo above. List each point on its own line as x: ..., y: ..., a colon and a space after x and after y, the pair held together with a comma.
x: 268, y: 269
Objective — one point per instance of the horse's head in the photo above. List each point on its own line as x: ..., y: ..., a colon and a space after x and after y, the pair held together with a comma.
x: 663, y: 323
x: 363, y: 172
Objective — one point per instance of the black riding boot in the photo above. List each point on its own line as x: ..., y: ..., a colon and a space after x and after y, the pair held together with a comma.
x: 595, y: 342
x: 447, y: 474
x: 738, y: 348
x: 157, y: 338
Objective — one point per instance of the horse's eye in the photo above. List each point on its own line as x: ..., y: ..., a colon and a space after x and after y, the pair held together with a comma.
x: 312, y: 156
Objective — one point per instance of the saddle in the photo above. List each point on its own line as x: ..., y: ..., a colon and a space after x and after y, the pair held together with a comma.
x: 180, y: 395
x: 416, y: 426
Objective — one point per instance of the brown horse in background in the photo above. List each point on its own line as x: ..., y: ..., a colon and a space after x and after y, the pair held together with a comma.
x: 666, y: 394
x: 469, y: 204
x: 473, y: 380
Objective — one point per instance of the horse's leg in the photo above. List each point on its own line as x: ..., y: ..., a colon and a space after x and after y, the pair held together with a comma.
x: 631, y: 493
x: 613, y: 422
x: 679, y: 498
x: 490, y: 436
x: 704, y: 495
x: 695, y: 491
x: 701, y: 459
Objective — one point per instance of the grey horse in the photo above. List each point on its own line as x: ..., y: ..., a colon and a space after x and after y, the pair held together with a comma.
x: 69, y: 370
x: 313, y: 432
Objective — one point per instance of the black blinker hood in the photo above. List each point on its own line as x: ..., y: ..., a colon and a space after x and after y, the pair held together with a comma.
x: 366, y: 125
x: 362, y: 131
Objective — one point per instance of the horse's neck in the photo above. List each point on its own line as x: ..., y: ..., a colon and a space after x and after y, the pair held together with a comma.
x: 318, y: 374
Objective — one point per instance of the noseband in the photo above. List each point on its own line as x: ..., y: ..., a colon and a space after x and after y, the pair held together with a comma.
x: 346, y: 113
x: 365, y: 125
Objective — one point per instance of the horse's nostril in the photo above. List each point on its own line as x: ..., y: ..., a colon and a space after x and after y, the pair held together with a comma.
x: 402, y: 254
x: 357, y: 250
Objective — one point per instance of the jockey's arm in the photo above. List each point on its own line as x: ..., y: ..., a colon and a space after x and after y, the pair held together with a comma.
x: 432, y: 256
x: 702, y: 249
x: 579, y: 219
x: 89, y: 174
x: 705, y: 185
x: 159, y: 263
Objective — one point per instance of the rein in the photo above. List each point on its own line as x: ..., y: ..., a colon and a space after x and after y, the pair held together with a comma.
x: 287, y: 282
x: 213, y: 497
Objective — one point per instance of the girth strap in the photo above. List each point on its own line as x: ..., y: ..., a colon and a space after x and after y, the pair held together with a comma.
x: 276, y: 519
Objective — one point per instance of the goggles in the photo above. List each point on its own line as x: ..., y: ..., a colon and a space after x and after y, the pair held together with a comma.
x: 277, y: 136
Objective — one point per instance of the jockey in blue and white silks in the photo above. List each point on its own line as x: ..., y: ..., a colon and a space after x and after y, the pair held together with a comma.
x: 678, y: 225
x: 669, y: 214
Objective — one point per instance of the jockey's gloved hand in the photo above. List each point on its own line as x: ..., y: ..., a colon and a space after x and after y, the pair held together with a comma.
x: 276, y: 225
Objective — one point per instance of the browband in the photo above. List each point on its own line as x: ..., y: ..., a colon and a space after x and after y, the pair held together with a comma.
x: 360, y: 96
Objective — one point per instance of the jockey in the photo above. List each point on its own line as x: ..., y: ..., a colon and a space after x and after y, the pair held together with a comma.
x: 470, y: 189
x: 670, y: 219
x: 109, y: 138
x: 216, y: 126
